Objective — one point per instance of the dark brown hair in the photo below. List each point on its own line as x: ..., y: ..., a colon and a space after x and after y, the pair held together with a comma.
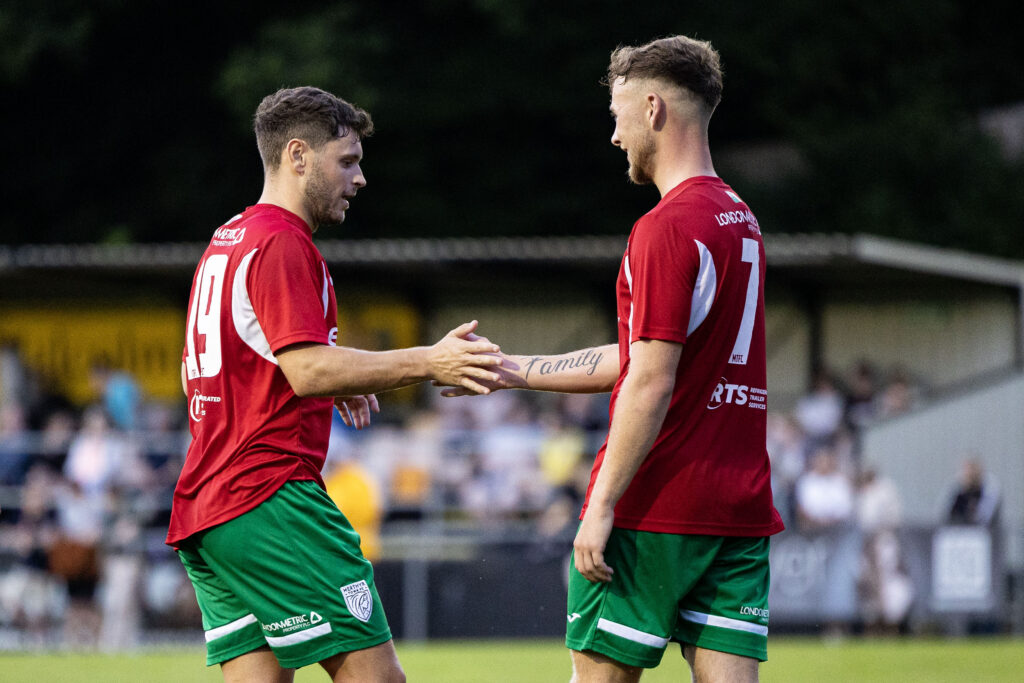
x: 308, y: 114
x: 686, y: 62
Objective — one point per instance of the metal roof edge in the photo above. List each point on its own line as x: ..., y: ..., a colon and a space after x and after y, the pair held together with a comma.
x: 788, y: 250
x: 953, y: 263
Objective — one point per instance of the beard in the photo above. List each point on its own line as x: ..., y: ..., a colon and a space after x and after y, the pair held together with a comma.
x: 319, y: 199
x: 641, y: 160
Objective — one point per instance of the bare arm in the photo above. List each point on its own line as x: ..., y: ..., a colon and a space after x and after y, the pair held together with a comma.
x: 184, y: 379
x: 586, y: 371
x: 322, y: 370
x: 639, y: 414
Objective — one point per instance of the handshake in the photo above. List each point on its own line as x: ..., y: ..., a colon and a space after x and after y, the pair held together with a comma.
x: 466, y: 363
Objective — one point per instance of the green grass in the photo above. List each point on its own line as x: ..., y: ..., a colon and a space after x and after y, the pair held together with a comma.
x: 792, y: 660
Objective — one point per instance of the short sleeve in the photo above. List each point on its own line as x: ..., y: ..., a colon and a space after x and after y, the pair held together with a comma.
x: 287, y: 284
x: 662, y: 268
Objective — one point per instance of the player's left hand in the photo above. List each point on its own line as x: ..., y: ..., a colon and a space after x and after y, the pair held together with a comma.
x: 355, y: 410
x: 591, y: 539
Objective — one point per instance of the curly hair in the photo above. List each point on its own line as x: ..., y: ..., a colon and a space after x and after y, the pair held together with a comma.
x: 686, y: 62
x: 306, y: 113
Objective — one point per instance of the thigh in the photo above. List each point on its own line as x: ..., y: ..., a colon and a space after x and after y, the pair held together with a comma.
x: 591, y: 667
x: 727, y: 609
x: 230, y: 627
x: 632, y: 618
x: 296, y: 563
x: 377, y: 664
x: 258, y: 666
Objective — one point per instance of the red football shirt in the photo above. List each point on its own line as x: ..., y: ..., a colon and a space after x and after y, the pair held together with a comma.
x: 260, y: 286
x: 693, y: 273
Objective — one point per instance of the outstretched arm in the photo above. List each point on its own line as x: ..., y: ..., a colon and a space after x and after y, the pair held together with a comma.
x: 322, y: 370
x: 586, y: 371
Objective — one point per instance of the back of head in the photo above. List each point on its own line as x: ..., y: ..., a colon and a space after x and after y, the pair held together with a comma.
x: 305, y: 113
x: 678, y: 60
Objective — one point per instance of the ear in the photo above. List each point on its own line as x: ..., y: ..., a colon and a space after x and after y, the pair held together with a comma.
x: 656, y: 111
x: 296, y: 155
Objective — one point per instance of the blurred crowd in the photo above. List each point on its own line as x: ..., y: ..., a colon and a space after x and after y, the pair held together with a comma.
x: 85, y: 492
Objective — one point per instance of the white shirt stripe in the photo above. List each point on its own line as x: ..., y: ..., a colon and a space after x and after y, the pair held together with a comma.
x: 629, y: 283
x: 236, y: 625
x: 301, y: 636
x: 723, y: 622
x: 703, y: 289
x: 628, y: 633
x: 324, y: 295
x: 242, y: 314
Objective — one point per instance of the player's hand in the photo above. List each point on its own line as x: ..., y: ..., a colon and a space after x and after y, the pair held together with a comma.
x: 591, y: 539
x: 507, y: 379
x: 464, y: 359
x: 355, y: 410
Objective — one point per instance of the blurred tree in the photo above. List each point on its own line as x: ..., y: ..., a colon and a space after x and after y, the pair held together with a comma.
x: 490, y: 116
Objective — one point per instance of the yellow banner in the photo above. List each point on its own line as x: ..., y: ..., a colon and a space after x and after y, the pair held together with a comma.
x: 62, y: 345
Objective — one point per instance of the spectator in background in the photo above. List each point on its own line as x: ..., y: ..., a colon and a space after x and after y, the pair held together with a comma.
x: 119, y: 393
x: 55, y: 440
x: 15, y: 449
x: 95, y: 454
x: 898, y: 396
x: 13, y: 377
x: 862, y: 395
x: 886, y: 590
x: 820, y: 411
x: 356, y: 493
x: 31, y: 599
x: 787, y: 449
x: 976, y: 499
x: 129, y: 505
x: 74, y: 557
x: 824, y: 495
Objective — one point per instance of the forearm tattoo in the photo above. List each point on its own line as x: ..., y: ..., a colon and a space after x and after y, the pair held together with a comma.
x: 588, y: 359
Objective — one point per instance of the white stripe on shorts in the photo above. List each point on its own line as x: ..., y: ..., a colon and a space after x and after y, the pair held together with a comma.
x: 237, y: 624
x: 723, y: 622
x: 628, y: 633
x: 301, y: 636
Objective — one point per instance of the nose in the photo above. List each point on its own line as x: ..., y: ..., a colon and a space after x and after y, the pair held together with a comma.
x: 615, y: 137
x: 359, y: 180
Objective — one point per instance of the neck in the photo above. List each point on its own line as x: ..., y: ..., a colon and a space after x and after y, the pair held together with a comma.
x: 681, y: 156
x: 287, y: 197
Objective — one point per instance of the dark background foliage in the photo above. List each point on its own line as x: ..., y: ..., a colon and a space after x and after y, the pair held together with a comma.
x: 130, y: 121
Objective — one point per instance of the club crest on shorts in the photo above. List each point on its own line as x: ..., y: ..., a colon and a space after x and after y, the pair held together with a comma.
x: 359, y: 601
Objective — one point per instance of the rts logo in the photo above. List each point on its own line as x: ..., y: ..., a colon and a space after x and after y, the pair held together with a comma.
x: 737, y: 394
x: 733, y: 393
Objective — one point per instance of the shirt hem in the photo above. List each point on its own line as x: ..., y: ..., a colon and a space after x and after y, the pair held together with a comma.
x: 180, y: 536
x: 699, y: 529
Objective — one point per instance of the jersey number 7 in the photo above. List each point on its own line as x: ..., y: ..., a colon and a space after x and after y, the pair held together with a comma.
x: 740, y: 350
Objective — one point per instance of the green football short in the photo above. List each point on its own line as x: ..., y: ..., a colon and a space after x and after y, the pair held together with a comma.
x: 288, y: 574
x: 707, y: 591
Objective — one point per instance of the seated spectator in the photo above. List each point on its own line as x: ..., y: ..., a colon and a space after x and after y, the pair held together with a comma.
x: 824, y: 495
x: 976, y: 499
x: 899, y: 395
x: 119, y: 393
x: 820, y: 411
